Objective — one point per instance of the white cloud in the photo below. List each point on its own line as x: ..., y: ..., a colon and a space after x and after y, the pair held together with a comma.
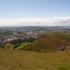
x: 51, y: 21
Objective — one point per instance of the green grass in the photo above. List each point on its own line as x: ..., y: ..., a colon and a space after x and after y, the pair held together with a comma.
x: 22, y: 45
x: 26, y: 60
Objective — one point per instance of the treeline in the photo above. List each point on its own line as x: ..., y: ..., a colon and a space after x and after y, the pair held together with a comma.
x: 23, y: 40
x: 16, y: 43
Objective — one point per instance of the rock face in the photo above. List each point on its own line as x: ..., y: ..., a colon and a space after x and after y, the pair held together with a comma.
x: 65, y: 46
x: 68, y: 47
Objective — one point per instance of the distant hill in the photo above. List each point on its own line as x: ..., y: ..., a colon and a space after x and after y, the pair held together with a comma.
x: 19, y: 28
x: 50, y: 42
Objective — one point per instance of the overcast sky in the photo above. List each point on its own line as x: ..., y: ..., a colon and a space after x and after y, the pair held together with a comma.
x: 34, y: 12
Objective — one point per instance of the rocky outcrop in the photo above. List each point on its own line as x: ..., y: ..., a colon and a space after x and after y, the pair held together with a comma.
x: 65, y: 46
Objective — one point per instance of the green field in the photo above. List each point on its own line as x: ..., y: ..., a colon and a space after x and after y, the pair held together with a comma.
x: 23, y: 45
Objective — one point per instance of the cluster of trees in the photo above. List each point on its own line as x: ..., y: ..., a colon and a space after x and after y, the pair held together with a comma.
x: 16, y: 43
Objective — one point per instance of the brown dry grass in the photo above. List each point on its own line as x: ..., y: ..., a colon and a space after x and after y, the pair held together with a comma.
x: 26, y: 60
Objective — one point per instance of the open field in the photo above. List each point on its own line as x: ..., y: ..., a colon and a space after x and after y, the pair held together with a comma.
x: 26, y: 60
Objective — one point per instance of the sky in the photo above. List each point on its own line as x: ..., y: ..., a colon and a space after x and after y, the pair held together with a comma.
x: 34, y: 12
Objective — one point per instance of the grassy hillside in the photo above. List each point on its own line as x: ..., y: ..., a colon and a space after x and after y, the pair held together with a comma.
x: 50, y: 42
x: 31, y: 59
x: 22, y: 45
x: 26, y: 60
x: 54, y: 41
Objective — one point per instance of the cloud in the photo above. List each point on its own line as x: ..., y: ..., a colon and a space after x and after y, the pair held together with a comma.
x: 50, y: 21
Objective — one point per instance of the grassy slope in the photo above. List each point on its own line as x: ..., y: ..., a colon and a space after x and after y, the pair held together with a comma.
x: 49, y: 42
x: 22, y: 45
x: 25, y: 60
x: 12, y: 59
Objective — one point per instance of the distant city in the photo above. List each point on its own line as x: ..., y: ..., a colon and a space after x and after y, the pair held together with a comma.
x: 8, y: 34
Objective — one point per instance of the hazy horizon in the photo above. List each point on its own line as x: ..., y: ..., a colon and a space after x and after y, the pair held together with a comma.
x: 34, y: 13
